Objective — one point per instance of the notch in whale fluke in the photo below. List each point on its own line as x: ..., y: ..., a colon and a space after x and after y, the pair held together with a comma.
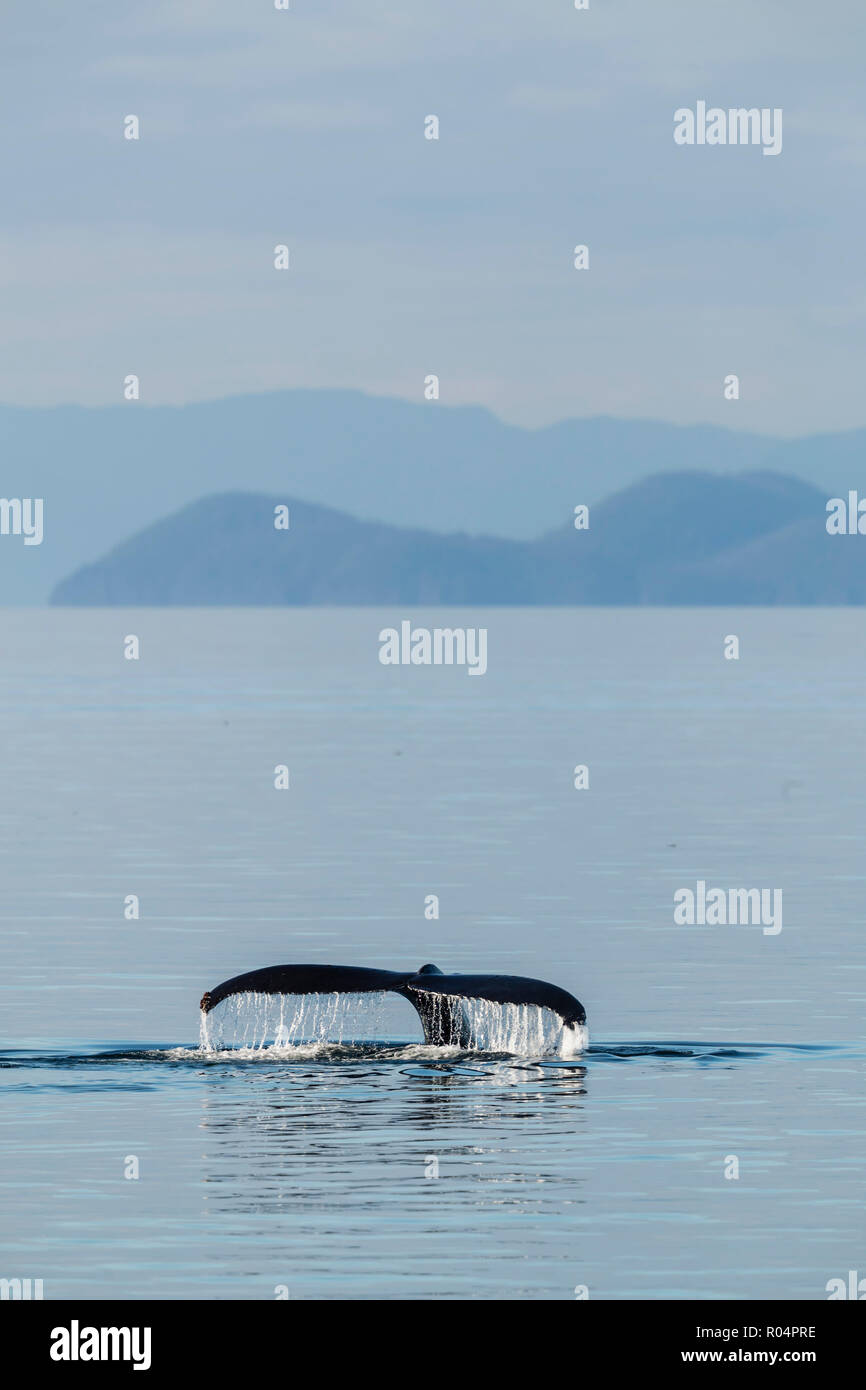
x: 434, y: 996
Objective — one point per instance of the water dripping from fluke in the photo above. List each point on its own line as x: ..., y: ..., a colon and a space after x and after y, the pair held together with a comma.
x: 278, y: 1023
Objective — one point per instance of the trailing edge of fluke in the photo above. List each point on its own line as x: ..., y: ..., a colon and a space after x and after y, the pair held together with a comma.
x: 434, y: 996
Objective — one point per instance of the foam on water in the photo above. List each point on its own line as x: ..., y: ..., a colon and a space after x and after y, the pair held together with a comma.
x: 295, y: 1024
x: 372, y: 1051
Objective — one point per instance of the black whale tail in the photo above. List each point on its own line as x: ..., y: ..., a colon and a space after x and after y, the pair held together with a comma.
x: 438, y: 999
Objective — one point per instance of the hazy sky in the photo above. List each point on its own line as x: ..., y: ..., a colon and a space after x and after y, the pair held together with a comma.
x: 412, y: 256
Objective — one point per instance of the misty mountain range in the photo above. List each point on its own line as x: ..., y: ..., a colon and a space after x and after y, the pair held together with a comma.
x: 107, y: 472
x: 681, y: 538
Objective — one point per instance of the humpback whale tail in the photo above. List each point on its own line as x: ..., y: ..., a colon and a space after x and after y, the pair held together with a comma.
x: 442, y: 1002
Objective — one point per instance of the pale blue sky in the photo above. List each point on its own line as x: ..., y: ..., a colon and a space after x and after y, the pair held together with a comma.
x: 409, y: 256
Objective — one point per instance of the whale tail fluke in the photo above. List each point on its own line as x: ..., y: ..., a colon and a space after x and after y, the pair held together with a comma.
x: 440, y: 1000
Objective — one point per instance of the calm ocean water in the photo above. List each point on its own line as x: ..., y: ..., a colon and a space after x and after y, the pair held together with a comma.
x: 308, y: 1169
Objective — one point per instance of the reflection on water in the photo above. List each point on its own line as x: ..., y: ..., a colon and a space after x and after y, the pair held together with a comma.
x: 392, y: 1169
x: 366, y: 1110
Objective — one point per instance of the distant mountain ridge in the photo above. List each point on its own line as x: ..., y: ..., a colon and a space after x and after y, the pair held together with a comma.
x: 683, y: 538
x: 106, y: 471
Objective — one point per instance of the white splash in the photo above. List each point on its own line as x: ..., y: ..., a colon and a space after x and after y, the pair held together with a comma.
x: 256, y: 1021
x: 523, y: 1030
x: 252, y: 1023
